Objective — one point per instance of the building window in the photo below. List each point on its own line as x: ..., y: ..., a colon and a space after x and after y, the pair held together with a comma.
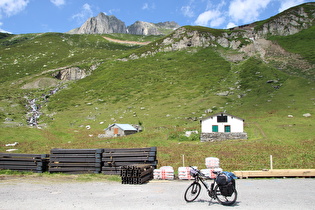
x: 221, y: 119
x: 227, y: 128
x: 215, y: 128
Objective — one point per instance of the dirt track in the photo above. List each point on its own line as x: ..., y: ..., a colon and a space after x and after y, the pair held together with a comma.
x: 125, y: 42
x: 52, y: 194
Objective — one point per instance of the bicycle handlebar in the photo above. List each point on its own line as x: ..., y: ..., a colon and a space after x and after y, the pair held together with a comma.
x: 201, y: 174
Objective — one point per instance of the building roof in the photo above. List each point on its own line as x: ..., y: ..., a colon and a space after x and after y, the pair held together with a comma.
x: 222, y: 113
x: 125, y: 127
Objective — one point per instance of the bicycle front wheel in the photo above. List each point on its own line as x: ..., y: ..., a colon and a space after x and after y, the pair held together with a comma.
x: 192, y: 192
x: 225, y: 200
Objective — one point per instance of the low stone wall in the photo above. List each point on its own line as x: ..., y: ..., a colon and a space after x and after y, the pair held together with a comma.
x: 218, y: 136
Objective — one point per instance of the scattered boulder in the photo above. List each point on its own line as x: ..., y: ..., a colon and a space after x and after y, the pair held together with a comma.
x: 307, y: 115
x: 188, y: 133
x: 224, y: 93
x: 12, y: 145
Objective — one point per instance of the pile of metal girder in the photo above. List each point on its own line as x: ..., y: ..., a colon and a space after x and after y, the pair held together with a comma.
x: 24, y: 162
x: 136, y: 174
x: 76, y: 161
x: 115, y: 159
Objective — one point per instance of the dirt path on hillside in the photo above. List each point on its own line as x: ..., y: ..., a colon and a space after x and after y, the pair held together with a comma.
x: 125, y: 42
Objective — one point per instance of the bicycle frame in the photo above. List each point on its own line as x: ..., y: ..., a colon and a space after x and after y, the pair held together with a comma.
x: 199, y: 177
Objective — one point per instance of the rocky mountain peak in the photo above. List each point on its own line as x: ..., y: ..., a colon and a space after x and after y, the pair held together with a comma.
x: 168, y: 24
x: 143, y: 28
x: 101, y: 24
x: 104, y: 24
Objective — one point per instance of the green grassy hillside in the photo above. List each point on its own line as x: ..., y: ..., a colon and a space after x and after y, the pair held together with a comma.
x: 167, y: 94
x: 304, y: 43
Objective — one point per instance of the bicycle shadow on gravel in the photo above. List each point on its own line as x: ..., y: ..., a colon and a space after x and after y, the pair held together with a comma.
x: 211, y: 202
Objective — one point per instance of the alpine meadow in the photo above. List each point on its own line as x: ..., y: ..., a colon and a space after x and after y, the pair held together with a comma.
x: 263, y: 72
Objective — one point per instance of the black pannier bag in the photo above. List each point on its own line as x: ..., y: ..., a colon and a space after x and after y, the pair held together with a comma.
x: 226, y: 183
x: 227, y: 189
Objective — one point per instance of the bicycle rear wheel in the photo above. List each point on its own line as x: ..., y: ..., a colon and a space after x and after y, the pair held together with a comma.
x: 225, y: 200
x: 192, y: 192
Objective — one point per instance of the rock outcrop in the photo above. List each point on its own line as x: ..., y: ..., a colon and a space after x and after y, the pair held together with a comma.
x: 289, y: 22
x: 72, y: 73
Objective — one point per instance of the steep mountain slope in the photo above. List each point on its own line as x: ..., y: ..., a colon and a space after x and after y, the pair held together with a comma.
x: 165, y: 86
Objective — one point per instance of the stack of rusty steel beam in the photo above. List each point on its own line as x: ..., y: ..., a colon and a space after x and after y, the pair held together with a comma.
x: 24, y: 162
x: 114, y: 159
x: 75, y: 161
x: 136, y: 174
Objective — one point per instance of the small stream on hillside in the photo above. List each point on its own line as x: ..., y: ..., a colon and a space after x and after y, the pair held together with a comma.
x: 34, y: 106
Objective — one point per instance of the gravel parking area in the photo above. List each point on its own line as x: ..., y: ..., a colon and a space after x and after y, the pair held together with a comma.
x: 24, y: 193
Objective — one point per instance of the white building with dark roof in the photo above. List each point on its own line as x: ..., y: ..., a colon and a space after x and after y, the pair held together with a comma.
x: 222, y: 126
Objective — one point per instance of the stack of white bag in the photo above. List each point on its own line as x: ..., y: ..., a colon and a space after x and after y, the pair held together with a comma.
x: 184, y: 173
x: 212, y: 164
x: 165, y: 172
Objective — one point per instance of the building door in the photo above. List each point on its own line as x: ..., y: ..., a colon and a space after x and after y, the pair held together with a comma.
x: 215, y: 128
x: 115, y: 130
x: 227, y: 128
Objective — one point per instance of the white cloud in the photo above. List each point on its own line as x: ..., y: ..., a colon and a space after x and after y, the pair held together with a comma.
x: 286, y: 4
x: 58, y: 3
x: 147, y: 6
x: 231, y: 25
x: 187, y: 11
x: 112, y: 11
x: 212, y: 18
x: 12, y: 7
x: 3, y: 31
x: 84, y: 14
x: 246, y: 11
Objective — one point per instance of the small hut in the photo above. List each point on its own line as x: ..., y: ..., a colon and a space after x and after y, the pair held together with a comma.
x: 116, y: 129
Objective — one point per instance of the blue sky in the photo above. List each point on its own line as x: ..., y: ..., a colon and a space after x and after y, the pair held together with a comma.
x: 37, y: 16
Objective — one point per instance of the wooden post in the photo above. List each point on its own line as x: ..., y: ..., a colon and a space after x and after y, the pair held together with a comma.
x: 271, y: 163
x: 183, y: 157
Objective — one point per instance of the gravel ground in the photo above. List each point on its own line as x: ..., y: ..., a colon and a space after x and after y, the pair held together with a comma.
x: 39, y: 193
